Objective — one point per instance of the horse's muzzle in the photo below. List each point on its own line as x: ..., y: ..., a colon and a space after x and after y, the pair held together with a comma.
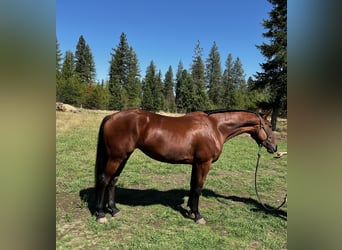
x: 272, y: 149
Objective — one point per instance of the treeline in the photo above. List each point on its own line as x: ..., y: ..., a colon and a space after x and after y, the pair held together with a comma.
x: 203, y: 86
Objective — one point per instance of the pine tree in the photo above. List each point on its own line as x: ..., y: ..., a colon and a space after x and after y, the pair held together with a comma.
x: 68, y: 67
x: 124, y: 84
x: 158, y: 93
x: 214, y: 77
x: 69, y: 90
x: 132, y: 86
x: 95, y: 96
x: 238, y: 78
x: 85, y: 66
x: 90, y: 102
x: 115, y: 101
x: 90, y: 66
x: 255, y: 96
x: 201, y: 100
x: 58, y: 70
x: 274, y: 71
x: 229, y: 99
x: 178, y: 98
x: 169, y: 95
x: 149, y: 87
x: 187, y: 92
x: 58, y: 60
x: 147, y: 99
x: 239, y: 73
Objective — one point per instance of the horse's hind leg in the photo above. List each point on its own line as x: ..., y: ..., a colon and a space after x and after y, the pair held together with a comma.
x: 111, y: 190
x: 198, y: 176
x: 101, y: 185
x: 111, y: 198
x: 100, y: 192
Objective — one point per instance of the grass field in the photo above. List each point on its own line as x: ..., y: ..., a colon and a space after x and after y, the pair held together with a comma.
x: 150, y: 195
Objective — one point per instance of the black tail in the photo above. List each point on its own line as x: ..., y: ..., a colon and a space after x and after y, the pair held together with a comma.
x: 101, y: 155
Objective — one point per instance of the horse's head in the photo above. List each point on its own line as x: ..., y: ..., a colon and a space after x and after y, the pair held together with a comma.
x: 264, y: 135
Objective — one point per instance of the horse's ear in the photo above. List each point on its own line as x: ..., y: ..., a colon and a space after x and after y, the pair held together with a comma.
x: 267, y: 113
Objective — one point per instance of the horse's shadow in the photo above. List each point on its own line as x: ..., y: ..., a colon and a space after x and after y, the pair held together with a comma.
x: 173, y: 198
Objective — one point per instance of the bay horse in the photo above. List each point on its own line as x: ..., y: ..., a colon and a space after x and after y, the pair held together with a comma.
x: 196, y: 138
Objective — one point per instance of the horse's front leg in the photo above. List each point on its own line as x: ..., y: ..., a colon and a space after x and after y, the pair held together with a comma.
x: 198, y: 176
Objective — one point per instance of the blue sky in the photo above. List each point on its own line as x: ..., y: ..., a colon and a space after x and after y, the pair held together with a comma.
x: 164, y: 31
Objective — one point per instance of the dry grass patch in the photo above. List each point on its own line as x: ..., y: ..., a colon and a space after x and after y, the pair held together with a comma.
x: 68, y: 121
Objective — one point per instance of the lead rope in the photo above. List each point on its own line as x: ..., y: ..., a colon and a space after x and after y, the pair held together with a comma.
x: 256, y: 188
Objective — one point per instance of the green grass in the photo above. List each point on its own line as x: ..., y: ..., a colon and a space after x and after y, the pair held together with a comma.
x: 149, y: 192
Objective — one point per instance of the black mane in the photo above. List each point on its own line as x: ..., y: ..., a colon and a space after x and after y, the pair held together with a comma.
x: 215, y: 111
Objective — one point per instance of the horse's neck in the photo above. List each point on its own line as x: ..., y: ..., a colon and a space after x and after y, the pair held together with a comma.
x: 231, y: 124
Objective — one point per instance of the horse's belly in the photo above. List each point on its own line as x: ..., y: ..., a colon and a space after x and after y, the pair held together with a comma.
x: 168, y: 153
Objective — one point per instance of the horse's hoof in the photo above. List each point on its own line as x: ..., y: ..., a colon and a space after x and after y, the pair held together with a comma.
x: 116, y: 215
x: 201, y: 221
x: 102, y: 220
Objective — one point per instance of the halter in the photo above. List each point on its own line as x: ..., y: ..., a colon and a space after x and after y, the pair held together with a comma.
x: 262, y: 127
x: 256, y: 173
